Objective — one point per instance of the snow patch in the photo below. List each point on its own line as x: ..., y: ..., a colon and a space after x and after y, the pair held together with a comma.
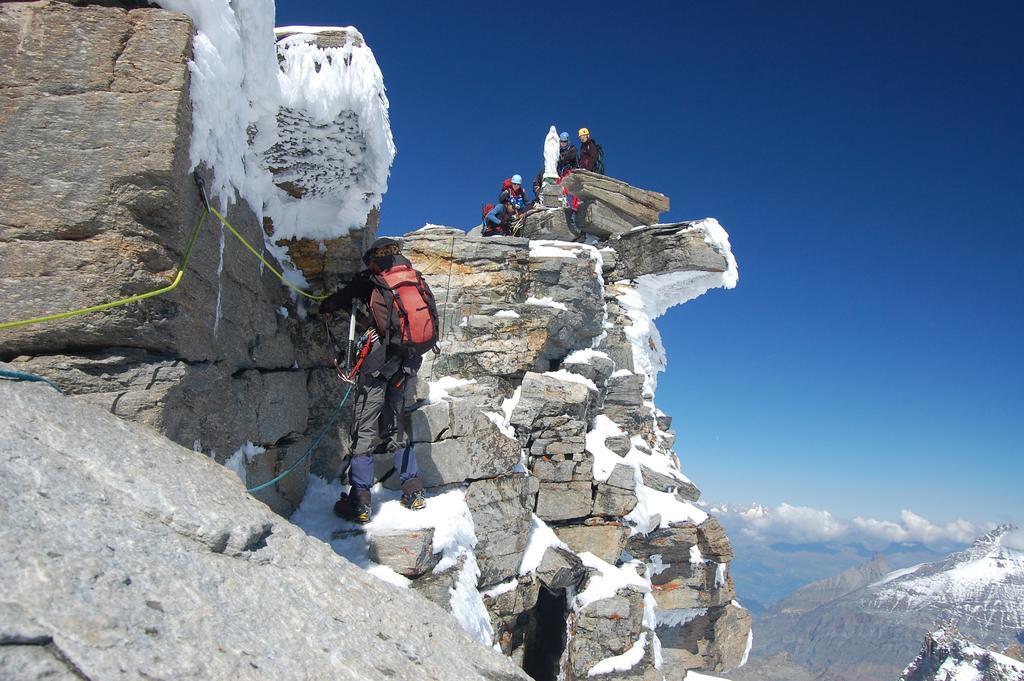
x: 240, y: 460
x: 545, y: 302
x: 439, y: 388
x: 585, y: 356
x: 677, y: 618
x: 467, y: 605
x: 563, y: 375
x: 541, y: 537
x: 608, y: 580
x: 623, y: 662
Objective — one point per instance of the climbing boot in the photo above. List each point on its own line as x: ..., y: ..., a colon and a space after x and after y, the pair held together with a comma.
x: 414, y: 501
x: 354, y: 506
x: 412, y: 494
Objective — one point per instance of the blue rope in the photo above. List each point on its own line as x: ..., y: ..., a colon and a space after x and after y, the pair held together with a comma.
x: 22, y: 376
x: 334, y: 417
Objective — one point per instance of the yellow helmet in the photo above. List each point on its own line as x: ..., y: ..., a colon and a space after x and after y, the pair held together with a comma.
x: 584, y: 131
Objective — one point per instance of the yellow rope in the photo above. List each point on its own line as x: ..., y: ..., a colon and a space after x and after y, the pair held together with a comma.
x: 262, y: 259
x: 123, y: 301
x: 173, y: 285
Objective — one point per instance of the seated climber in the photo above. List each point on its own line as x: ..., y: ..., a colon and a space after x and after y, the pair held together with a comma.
x: 497, y: 220
x: 538, y: 182
x: 567, y: 159
x: 591, y: 153
x: 513, y: 196
x: 404, y: 326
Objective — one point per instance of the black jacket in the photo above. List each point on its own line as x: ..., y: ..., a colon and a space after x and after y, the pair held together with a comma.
x: 359, y: 289
x: 566, y: 158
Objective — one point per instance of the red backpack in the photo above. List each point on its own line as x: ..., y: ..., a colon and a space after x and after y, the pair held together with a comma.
x: 404, y: 311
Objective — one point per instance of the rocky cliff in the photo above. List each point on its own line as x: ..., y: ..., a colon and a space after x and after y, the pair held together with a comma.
x: 948, y: 656
x: 559, y: 526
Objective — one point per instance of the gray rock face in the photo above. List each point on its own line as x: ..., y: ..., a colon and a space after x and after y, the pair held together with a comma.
x: 605, y: 628
x: 129, y: 555
x: 501, y: 509
x: 209, y: 362
x: 560, y: 569
x: 409, y: 553
x: 610, y: 206
x: 603, y: 538
x: 715, y: 640
x: 543, y: 223
x: 662, y: 249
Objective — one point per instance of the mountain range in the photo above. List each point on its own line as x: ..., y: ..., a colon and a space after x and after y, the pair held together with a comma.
x: 867, y: 622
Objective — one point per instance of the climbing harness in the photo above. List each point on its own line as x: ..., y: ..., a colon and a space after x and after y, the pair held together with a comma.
x: 316, y: 441
x: 22, y: 376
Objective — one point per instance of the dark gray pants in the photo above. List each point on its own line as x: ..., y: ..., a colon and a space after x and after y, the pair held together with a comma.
x: 379, y: 419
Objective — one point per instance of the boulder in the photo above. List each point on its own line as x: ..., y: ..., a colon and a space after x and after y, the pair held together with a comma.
x: 673, y: 543
x: 605, y: 628
x: 684, y: 489
x: 553, y: 409
x: 560, y: 569
x: 714, y: 640
x: 409, y: 553
x: 604, y: 538
x: 437, y: 587
x: 714, y: 543
x: 544, y: 223
x: 511, y: 612
x: 610, y: 206
x: 664, y: 249
x: 564, y: 500
x: 617, y: 495
x: 502, y: 515
x: 125, y: 555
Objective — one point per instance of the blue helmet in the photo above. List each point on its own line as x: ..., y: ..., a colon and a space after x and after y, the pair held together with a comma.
x: 517, y: 179
x: 564, y: 136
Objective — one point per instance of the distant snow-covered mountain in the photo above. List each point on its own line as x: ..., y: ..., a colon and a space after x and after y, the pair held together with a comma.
x: 864, y: 624
x: 947, y: 656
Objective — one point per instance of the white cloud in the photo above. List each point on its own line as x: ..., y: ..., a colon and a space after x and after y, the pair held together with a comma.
x: 803, y: 524
x: 1014, y: 540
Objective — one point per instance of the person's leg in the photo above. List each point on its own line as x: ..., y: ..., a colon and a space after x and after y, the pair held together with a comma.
x: 370, y: 400
x: 405, y: 458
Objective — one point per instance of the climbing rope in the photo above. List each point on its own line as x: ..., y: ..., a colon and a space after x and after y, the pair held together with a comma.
x: 316, y: 441
x: 22, y: 376
x: 263, y: 260
x: 177, y: 277
x: 123, y: 301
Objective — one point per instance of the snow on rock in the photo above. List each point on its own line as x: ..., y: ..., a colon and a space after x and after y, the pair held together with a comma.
x: 541, y: 537
x: 242, y: 458
x: 545, y: 302
x: 335, y: 140
x: 623, y: 662
x: 651, y: 295
x: 607, y: 580
x: 563, y: 375
x: 439, y: 388
x: 586, y: 356
x: 467, y: 603
x: 320, y: 108
x: 652, y: 505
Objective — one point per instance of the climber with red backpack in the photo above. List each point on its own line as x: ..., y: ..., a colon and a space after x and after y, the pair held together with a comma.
x: 404, y: 326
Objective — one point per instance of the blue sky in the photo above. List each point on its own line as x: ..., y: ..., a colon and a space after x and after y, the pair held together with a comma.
x: 866, y: 159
